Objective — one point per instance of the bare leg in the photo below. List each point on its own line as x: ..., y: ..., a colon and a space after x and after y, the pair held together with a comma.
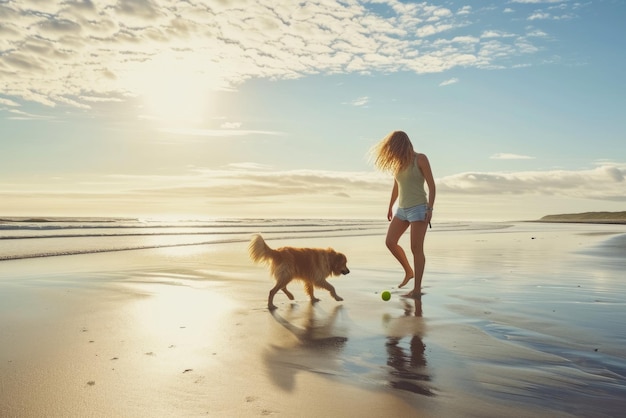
x: 418, y: 233
x: 397, y: 227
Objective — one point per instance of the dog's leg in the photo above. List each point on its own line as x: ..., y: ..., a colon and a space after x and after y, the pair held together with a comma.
x: 288, y: 293
x: 270, y: 299
x: 309, y: 289
x: 324, y: 284
x: 283, y: 278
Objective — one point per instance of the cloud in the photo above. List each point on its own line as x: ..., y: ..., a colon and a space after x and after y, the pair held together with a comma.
x: 80, y: 53
x: 506, y: 156
x: 361, y: 101
x: 537, y: 1
x: 234, y: 182
x: 251, y: 189
x: 605, y: 182
x: 495, y: 34
x: 250, y: 180
x: 449, y: 82
x: 16, y: 114
x: 218, y: 132
x: 230, y: 125
x: 7, y: 102
x: 540, y: 16
x: 249, y: 166
x: 537, y: 33
x: 245, y: 180
x: 555, y: 17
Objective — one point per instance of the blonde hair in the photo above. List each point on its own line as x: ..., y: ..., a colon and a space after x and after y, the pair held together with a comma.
x: 393, y: 153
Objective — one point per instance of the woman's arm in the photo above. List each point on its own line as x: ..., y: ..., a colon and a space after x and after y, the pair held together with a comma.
x: 394, y: 196
x: 424, y: 165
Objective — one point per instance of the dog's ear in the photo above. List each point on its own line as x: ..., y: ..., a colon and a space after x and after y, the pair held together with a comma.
x: 331, y: 256
x: 339, y: 260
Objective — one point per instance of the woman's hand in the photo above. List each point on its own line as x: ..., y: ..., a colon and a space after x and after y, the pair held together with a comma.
x: 429, y: 215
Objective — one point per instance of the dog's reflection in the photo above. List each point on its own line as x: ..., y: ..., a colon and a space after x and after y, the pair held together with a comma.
x: 319, y: 341
x: 317, y: 331
x: 408, y: 369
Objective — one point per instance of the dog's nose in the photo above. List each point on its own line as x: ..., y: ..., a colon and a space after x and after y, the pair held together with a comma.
x: 346, y: 271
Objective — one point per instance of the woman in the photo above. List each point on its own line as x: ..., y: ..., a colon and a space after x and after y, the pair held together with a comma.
x: 411, y: 170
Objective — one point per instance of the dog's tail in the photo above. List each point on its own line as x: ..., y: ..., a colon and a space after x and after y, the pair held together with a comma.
x: 259, y: 250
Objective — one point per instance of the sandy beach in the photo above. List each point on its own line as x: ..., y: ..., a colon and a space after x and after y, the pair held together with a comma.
x: 518, y: 319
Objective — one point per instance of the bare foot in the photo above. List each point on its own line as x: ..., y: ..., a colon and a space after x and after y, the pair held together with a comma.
x: 407, y: 278
x: 414, y: 294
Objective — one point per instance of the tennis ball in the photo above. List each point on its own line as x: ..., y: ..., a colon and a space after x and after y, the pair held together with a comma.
x: 385, y: 295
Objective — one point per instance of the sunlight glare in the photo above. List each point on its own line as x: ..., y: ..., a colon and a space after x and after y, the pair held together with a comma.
x: 175, y: 91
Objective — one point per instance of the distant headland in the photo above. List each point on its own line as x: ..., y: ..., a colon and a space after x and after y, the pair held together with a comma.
x: 587, y: 217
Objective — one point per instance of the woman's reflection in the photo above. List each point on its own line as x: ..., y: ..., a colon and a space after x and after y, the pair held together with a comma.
x: 409, y: 371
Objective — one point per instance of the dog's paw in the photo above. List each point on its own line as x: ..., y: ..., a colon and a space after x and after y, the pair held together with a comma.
x: 271, y: 307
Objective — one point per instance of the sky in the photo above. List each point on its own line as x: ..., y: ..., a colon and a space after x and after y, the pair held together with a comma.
x: 268, y: 108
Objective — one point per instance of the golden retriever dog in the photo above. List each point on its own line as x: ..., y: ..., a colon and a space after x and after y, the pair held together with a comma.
x: 310, y: 265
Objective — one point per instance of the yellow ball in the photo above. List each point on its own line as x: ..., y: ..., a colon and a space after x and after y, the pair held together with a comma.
x: 385, y: 295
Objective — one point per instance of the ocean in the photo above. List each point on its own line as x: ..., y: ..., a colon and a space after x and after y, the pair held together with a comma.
x: 28, y: 237
x: 22, y: 237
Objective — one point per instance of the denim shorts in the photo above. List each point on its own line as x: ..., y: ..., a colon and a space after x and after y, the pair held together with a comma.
x: 412, y: 214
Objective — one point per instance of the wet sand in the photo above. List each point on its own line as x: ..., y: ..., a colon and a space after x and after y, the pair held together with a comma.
x: 518, y: 320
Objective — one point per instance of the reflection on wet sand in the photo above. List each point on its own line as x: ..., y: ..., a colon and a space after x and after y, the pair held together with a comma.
x: 321, y: 340
x: 318, y: 350
x: 409, y: 369
x: 317, y: 331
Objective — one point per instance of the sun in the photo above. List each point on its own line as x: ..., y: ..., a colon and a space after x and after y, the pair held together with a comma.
x: 179, y: 100
x: 178, y: 96
x: 174, y: 91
